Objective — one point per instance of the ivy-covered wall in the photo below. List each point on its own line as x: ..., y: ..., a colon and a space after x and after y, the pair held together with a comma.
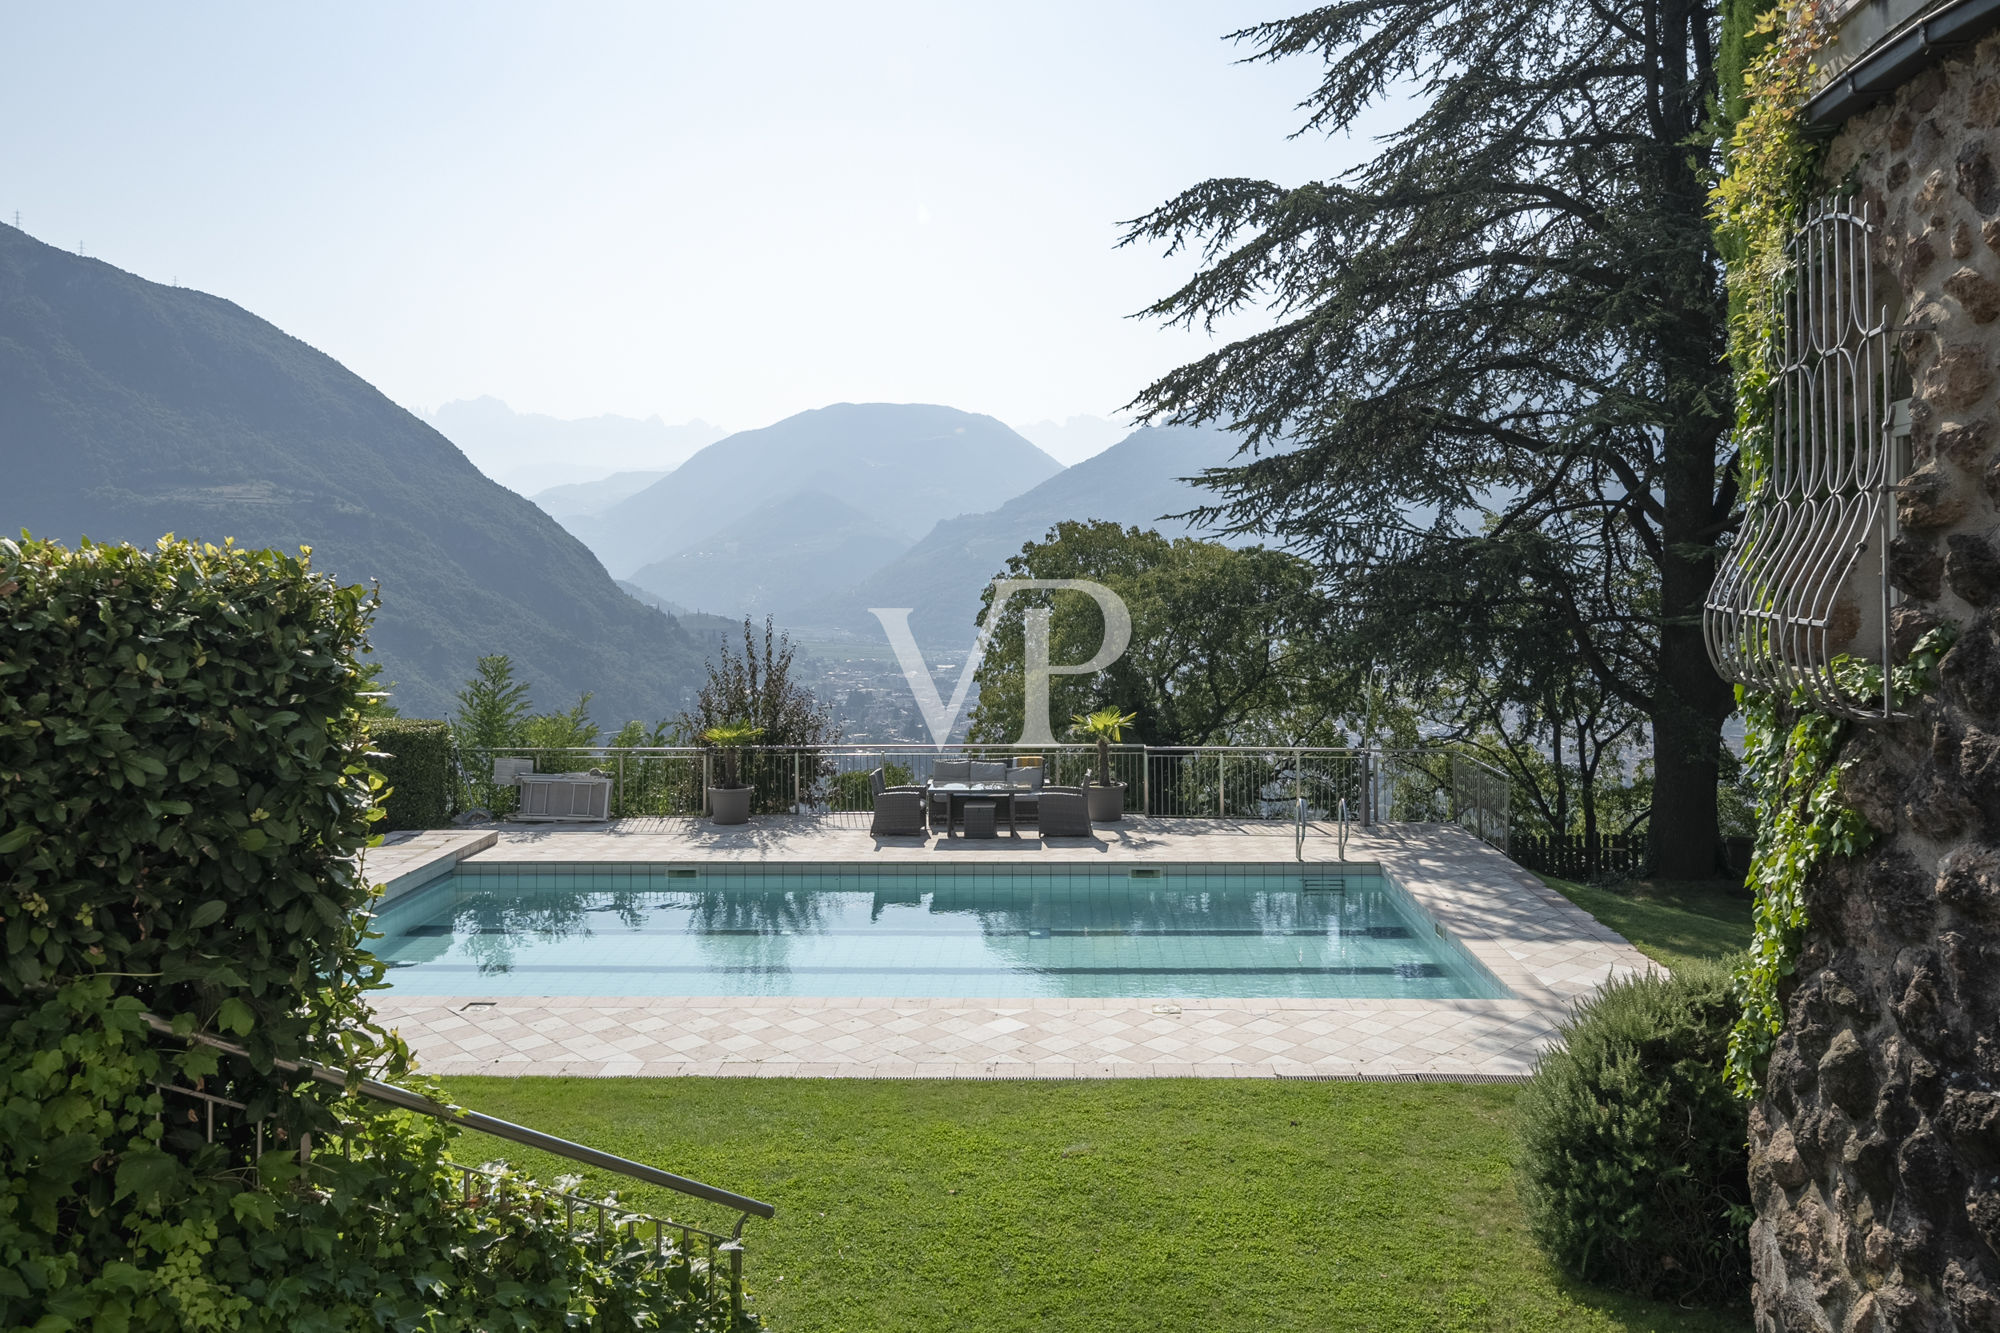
x: 1872, y: 1025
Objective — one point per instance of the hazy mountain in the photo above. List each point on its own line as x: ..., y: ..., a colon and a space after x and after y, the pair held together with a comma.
x: 1074, y: 439
x: 792, y: 552
x: 528, y: 452
x: 582, y: 498
x: 941, y: 578
x: 129, y: 409
x: 903, y: 465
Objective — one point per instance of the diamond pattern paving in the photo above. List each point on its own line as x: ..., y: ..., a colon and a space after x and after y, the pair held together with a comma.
x: 1546, y: 951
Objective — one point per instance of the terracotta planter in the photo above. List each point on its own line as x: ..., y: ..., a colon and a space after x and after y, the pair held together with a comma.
x: 729, y: 805
x: 1107, y: 804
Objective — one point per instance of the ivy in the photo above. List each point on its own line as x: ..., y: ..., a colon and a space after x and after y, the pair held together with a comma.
x: 1793, y: 755
x: 1756, y: 204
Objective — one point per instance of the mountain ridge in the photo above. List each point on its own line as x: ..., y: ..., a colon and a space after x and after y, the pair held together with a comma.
x: 129, y: 409
x: 905, y: 465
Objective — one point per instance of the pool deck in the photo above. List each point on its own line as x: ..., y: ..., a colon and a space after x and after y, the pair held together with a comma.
x: 1548, y: 952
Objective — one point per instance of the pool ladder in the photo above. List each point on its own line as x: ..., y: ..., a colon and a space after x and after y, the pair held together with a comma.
x: 1299, y: 829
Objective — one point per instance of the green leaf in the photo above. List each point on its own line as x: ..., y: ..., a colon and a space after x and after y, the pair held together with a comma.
x: 146, y: 1174
x: 208, y: 913
x: 235, y: 1016
x: 14, y: 839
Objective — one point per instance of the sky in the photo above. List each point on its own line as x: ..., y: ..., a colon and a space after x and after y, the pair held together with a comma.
x: 725, y: 211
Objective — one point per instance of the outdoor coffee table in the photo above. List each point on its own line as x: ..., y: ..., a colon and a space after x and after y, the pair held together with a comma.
x: 956, y: 794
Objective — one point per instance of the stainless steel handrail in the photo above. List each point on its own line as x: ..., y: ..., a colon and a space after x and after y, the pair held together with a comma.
x: 499, y: 1129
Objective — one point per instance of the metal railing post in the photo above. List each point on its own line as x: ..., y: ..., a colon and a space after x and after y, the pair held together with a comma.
x: 1221, y: 784
x: 798, y: 793
x: 735, y: 1250
x: 621, y: 787
x: 1145, y: 779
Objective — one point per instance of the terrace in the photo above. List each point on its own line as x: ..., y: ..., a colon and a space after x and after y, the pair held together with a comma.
x: 1264, y: 813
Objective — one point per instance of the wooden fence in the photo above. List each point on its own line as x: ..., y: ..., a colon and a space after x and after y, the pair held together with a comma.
x: 1571, y: 856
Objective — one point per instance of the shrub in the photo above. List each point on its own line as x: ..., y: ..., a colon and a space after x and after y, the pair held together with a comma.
x: 182, y: 797
x: 419, y: 766
x: 1633, y: 1165
x: 851, y: 791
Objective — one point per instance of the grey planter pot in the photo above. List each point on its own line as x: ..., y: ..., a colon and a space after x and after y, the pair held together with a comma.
x: 1107, y: 804
x: 729, y: 805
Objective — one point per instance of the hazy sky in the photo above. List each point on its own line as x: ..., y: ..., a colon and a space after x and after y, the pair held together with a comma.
x: 727, y: 211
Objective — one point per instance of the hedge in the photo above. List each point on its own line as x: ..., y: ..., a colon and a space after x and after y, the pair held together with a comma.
x: 183, y: 792
x: 418, y: 761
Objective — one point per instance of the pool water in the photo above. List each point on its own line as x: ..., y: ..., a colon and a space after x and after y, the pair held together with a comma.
x: 1167, y: 932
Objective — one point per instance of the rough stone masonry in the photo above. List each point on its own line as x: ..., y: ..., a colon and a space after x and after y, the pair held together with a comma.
x: 1875, y: 1151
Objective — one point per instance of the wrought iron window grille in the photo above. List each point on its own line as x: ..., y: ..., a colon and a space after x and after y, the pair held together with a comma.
x: 1802, y: 597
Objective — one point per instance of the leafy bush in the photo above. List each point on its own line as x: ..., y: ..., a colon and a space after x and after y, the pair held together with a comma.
x: 756, y: 689
x: 419, y: 765
x: 851, y: 792
x: 182, y: 795
x: 1633, y: 1165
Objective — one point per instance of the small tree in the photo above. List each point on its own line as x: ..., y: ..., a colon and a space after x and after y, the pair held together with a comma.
x: 729, y: 740
x: 1104, y: 726
x: 756, y: 689
x: 492, y: 707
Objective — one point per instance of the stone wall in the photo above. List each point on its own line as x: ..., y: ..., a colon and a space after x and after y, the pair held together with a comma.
x: 1875, y: 1153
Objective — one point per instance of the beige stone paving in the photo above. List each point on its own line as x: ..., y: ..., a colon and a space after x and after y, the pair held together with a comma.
x: 1544, y: 949
x: 412, y: 858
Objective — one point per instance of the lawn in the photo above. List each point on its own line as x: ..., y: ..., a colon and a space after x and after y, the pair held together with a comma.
x: 1116, y: 1205
x: 1671, y: 921
x: 1170, y: 1204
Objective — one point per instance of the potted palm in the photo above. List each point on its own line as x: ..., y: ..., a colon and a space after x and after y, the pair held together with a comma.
x: 729, y: 799
x: 1105, y: 798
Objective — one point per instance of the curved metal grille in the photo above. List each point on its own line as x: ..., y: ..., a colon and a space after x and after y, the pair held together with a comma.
x: 1806, y: 585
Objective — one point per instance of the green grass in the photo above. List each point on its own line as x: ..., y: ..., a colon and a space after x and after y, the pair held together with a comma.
x: 1670, y: 921
x: 1111, y: 1205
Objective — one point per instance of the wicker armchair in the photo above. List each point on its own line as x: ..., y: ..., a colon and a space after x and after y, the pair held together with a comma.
x: 1063, y: 813
x: 899, y: 811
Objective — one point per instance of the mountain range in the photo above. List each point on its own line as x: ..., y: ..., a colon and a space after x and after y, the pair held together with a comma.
x: 903, y: 466
x: 818, y: 561
x: 129, y: 409
x: 1136, y: 482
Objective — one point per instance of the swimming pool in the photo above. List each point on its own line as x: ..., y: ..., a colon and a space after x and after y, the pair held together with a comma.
x: 1169, y: 931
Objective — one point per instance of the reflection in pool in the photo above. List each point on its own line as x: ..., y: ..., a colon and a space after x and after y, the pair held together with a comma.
x: 841, y: 930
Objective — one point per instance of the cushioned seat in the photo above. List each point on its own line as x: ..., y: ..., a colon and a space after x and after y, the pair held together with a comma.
x: 899, y: 811
x: 1063, y: 813
x: 947, y: 770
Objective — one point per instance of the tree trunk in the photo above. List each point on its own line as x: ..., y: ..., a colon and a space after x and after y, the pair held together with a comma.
x: 1685, y: 835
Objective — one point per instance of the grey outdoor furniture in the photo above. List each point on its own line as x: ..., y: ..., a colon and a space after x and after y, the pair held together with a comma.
x: 980, y: 820
x: 959, y: 797
x: 1063, y: 813
x: 899, y: 811
x: 946, y: 771
x: 1027, y: 784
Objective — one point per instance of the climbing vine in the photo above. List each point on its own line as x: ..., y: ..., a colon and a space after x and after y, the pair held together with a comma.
x: 1792, y: 753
